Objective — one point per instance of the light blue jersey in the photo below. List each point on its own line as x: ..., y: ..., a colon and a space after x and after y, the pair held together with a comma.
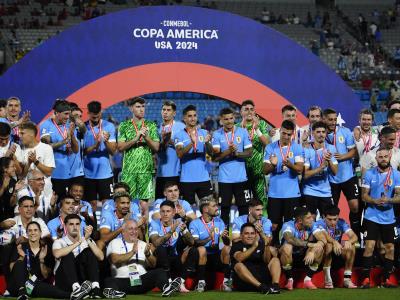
x: 201, y: 230
x: 239, y: 221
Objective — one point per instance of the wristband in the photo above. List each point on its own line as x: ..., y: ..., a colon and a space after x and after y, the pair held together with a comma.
x: 185, y: 231
x: 258, y: 132
x: 36, y: 162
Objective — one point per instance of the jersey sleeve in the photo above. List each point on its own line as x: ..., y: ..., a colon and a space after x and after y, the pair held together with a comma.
x: 317, y: 227
x: 287, y: 227
x: 349, y: 138
x: 344, y: 226
x: 154, y: 228
x: 263, y: 126
x: 332, y: 150
x: 122, y: 132
x: 267, y: 227
x: 246, y: 140
x: 105, y: 222
x: 111, y: 131
x: 186, y: 207
x: 44, y: 129
x: 43, y: 227
x: 366, y: 183
x: 268, y: 152
x: 178, y: 139
x: 216, y: 142
x: 298, y: 154
x: 236, y: 226
x: 48, y: 158
x: 113, y: 247
x: 307, y: 157
x: 194, y: 230
x: 153, y: 133
x: 58, y: 244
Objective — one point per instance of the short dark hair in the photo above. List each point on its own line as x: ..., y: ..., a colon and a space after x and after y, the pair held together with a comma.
x: 118, y: 195
x: 314, y: 107
x: 25, y: 198
x: 4, y: 163
x: 135, y: 100
x: 29, y: 125
x: 247, y: 225
x: 94, y: 107
x: 33, y: 223
x: 61, y: 105
x: 387, y: 130
x: 72, y: 217
x: 289, y: 125
x: 73, y: 105
x: 225, y: 111
x: 255, y: 202
x: 169, y: 184
x: 392, y: 112
x: 319, y: 124
x: 189, y: 108
x: 5, y: 129
x: 288, y: 107
x: 167, y: 203
x: 367, y: 111
x: 3, y: 103
x: 123, y: 185
x: 300, y: 212
x: 247, y: 102
x: 62, y: 200
x: 76, y: 183
x: 170, y: 103
x: 382, y: 148
x: 329, y: 111
x: 332, y: 210
x: 76, y: 109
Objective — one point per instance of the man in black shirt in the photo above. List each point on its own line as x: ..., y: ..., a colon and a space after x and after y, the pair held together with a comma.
x: 249, y: 260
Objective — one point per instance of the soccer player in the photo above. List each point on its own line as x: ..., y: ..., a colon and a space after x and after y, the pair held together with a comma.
x: 57, y: 226
x: 344, y: 180
x: 183, y: 209
x: 109, y: 205
x: 289, y: 112
x: 231, y: 145
x: 258, y: 134
x: 380, y: 190
x: 340, y: 242
x: 138, y: 140
x: 319, y: 163
x: 76, y: 191
x: 168, y: 167
x: 170, y: 237
x: 37, y: 155
x: 130, y: 258
x: 77, y: 256
x: 59, y: 133
x: 191, y: 145
x: 207, y: 231
x: 284, y: 160
x: 314, y: 115
x: 111, y: 222
x: 255, y: 216
x: 13, y: 111
x: 250, y: 260
x: 298, y: 245
x: 99, y: 144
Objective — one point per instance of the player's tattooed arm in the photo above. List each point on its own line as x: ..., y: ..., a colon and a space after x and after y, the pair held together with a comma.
x: 289, y: 237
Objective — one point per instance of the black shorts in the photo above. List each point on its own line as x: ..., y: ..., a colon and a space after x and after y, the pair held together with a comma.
x: 349, y: 188
x: 61, y: 186
x: 190, y: 189
x: 281, y: 208
x: 321, y: 203
x: 160, y: 183
x: 259, y: 271
x: 98, y: 189
x: 374, y: 231
x: 239, y: 189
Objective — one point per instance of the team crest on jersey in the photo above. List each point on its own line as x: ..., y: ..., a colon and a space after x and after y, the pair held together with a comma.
x: 175, y: 235
x: 216, y: 230
x: 201, y: 138
x: 341, y: 139
x: 238, y: 139
x: 390, y: 182
x: 290, y: 154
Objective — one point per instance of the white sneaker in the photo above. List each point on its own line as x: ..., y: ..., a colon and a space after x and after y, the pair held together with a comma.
x: 227, y: 286
x: 201, y: 286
